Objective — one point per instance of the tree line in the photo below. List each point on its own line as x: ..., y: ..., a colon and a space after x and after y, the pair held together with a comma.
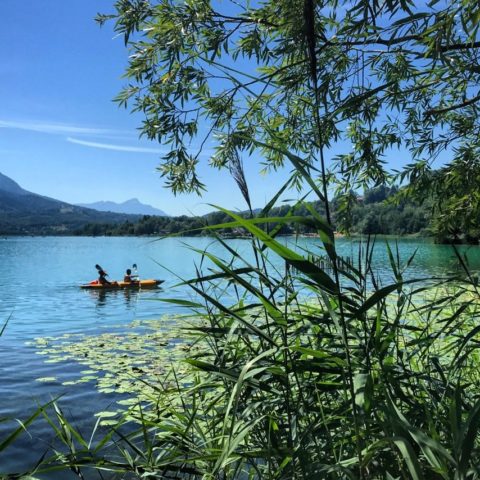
x: 381, y: 210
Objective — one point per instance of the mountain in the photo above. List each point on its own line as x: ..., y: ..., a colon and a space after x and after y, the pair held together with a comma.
x: 132, y: 206
x: 9, y: 186
x: 26, y: 213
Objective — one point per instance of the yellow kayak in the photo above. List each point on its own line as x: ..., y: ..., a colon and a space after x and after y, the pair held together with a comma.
x: 95, y: 285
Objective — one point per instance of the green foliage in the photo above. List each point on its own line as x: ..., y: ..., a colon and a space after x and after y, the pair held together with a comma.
x: 314, y: 370
x: 288, y: 377
x: 304, y: 75
x: 376, y: 212
x: 383, y: 211
x: 136, y: 363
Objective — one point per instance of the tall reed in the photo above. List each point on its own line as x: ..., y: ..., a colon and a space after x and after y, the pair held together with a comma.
x: 301, y: 375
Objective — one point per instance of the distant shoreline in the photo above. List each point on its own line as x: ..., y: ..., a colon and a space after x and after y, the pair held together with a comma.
x: 337, y: 235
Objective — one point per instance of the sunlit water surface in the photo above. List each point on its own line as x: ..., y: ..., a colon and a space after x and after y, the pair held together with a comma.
x: 40, y: 295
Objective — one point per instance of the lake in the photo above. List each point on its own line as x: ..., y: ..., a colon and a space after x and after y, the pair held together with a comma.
x: 40, y: 295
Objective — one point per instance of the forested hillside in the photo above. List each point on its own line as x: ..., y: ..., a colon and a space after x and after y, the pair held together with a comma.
x: 376, y: 212
x: 27, y: 213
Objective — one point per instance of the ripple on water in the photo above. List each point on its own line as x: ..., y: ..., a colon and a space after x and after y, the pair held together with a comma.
x: 40, y: 293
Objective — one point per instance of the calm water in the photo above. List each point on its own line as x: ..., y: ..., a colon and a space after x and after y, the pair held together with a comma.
x: 39, y: 292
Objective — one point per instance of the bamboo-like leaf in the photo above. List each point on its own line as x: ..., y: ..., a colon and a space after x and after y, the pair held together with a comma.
x: 455, y: 417
x: 22, y: 428
x: 229, y: 374
x: 381, y: 295
x: 312, y: 222
x: 469, y: 435
x: 309, y: 352
x: 292, y: 258
x: 226, y: 310
x: 435, y: 453
x: 266, y: 209
x: 4, y: 326
x: 363, y: 389
x: 235, y: 395
x: 472, y: 333
x: 181, y: 302
x: 300, y: 165
x: 409, y: 456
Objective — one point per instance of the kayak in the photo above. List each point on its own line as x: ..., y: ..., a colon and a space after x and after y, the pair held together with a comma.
x: 95, y: 285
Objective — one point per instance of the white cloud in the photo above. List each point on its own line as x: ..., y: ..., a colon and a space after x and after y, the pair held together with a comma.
x: 60, y: 128
x: 67, y: 131
x: 119, y: 148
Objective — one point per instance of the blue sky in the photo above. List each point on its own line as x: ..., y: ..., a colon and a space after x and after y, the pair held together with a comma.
x: 61, y: 135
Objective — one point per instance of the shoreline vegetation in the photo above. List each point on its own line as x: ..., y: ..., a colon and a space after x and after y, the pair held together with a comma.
x: 379, y: 211
x: 302, y: 372
x: 372, y: 215
x: 221, y: 389
x: 152, y: 352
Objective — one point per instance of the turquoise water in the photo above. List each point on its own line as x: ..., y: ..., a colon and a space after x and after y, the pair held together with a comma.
x: 39, y: 292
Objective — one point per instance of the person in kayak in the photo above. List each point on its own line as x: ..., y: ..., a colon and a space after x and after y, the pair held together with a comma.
x: 102, y: 275
x: 134, y: 275
x: 128, y: 276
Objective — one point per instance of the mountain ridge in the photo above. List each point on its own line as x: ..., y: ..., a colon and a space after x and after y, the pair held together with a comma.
x: 9, y: 185
x: 27, y: 213
x: 131, y: 206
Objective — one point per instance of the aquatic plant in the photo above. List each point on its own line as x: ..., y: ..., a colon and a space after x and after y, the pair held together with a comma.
x: 294, y: 377
x: 132, y: 365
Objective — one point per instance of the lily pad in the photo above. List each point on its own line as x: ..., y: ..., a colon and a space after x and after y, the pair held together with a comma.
x: 136, y: 363
x: 106, y: 414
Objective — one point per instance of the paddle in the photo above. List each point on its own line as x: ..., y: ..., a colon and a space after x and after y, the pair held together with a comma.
x: 135, y: 277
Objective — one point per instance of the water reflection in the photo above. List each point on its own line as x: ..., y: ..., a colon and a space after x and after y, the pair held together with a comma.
x: 104, y: 298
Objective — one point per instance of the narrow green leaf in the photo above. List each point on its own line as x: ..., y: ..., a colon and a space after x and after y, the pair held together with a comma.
x: 409, y: 456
